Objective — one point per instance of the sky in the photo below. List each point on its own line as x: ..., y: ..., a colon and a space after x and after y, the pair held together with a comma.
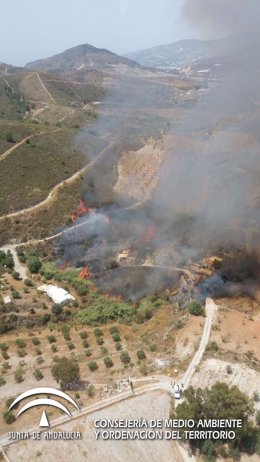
x: 34, y: 29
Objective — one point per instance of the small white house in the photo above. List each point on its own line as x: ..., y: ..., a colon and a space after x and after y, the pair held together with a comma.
x: 7, y: 300
x: 57, y: 294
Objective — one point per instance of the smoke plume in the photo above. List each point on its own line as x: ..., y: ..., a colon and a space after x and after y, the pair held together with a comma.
x: 207, y: 197
x: 222, y: 16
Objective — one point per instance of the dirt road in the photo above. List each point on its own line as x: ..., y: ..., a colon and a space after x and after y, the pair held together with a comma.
x: 44, y: 87
x: 52, y: 195
x: 17, y: 265
x: 211, y: 309
x: 17, y: 145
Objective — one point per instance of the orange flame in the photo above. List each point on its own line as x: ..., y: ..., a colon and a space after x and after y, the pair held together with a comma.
x: 84, y: 273
x: 82, y: 210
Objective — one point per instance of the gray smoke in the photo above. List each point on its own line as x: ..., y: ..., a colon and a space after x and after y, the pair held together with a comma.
x: 222, y: 16
x: 208, y: 195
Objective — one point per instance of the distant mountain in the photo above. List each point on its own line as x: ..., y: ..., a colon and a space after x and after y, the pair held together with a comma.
x: 81, y: 57
x: 182, y: 53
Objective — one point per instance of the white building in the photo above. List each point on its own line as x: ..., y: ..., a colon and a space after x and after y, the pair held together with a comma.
x: 57, y: 294
x: 7, y: 300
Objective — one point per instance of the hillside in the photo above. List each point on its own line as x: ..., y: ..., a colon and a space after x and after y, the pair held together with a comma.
x: 185, y: 52
x: 81, y: 57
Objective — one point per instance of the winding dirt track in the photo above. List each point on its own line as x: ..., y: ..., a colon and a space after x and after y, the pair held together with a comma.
x: 53, y: 194
x: 17, y: 145
x: 44, y: 87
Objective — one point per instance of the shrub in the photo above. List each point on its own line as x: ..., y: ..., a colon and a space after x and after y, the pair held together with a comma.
x: 5, y: 355
x: 9, y: 417
x: 99, y: 340
x: 256, y: 397
x: 51, y: 339
x: 16, y: 275
x: 65, y: 371
x: 71, y: 346
x: 54, y: 348
x: 38, y: 351
x: 34, y: 263
x: 212, y: 346
x: 2, y: 381
x: 98, y: 332
x: 116, y: 337
x: 92, y: 365
x: 88, y: 353
x: 103, y: 350
x: 114, y: 330
x: 91, y: 391
x: 20, y: 343
x: 5, y: 367
x: 19, y: 375
x: 21, y: 255
x: 6, y: 259
x: 141, y: 354
x: 4, y: 347
x: 85, y: 343
x: 153, y: 347
x: 108, y: 362
x: 35, y: 341
x: 48, y: 270
x: 257, y: 417
x: 9, y: 137
x: 125, y: 358
x: 101, y: 311
x: 15, y: 294
x: 38, y: 374
x: 57, y: 309
x: 28, y: 283
x: 21, y: 353
x: 118, y: 346
x: 65, y: 332
x: 83, y: 335
x: 196, y: 308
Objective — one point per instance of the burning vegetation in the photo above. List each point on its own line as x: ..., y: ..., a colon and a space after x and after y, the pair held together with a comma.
x: 82, y: 210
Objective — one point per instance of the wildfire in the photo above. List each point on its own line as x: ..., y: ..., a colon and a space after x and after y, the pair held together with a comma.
x: 82, y: 210
x: 84, y: 273
x: 150, y: 233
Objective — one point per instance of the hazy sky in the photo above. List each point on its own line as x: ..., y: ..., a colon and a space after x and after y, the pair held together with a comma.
x: 33, y: 29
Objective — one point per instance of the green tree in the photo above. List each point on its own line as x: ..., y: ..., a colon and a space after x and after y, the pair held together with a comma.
x: 20, y: 343
x: 196, y: 308
x: 220, y: 401
x: 114, y: 330
x: 98, y: 332
x: 65, y: 371
x: 34, y: 263
x: 140, y: 354
x: 92, y: 365
x: 108, y: 362
x: 125, y: 358
x: 83, y: 335
x: 116, y: 337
